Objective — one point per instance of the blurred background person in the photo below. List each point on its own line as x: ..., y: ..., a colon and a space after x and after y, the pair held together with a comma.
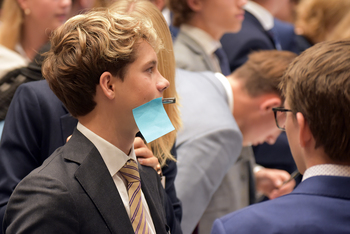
x: 25, y: 28
x: 202, y: 24
x: 316, y: 20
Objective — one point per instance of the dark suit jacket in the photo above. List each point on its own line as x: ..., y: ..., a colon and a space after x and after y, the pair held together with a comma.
x: 251, y: 37
x: 319, y: 205
x: 73, y: 192
x: 37, y: 124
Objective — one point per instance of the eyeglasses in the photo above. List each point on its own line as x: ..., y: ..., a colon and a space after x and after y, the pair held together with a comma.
x: 280, y: 117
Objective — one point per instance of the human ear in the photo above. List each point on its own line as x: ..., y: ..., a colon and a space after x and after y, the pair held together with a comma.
x: 269, y: 103
x: 107, y: 85
x: 305, y: 135
x: 195, y: 5
x: 23, y: 4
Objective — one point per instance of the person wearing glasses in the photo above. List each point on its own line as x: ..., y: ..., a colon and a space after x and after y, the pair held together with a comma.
x: 316, y: 119
x: 213, y: 109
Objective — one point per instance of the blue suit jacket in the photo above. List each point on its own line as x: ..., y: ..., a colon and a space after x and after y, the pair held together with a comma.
x: 37, y: 123
x: 319, y: 205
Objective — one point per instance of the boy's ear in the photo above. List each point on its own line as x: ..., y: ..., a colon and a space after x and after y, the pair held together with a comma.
x: 23, y: 4
x: 305, y: 135
x: 267, y: 104
x: 195, y: 5
x: 107, y: 85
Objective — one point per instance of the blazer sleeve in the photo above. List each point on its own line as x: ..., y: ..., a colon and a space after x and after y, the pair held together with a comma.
x: 41, y: 204
x: 204, y: 162
x: 20, y: 144
x: 173, y: 206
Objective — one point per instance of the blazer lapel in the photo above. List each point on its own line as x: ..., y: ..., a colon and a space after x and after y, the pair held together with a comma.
x: 97, y: 182
x: 197, y: 49
x: 149, y: 189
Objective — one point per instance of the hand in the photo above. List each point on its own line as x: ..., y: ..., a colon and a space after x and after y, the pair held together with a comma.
x: 270, y: 182
x: 145, y: 155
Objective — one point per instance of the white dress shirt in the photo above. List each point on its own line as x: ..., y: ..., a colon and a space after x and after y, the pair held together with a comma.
x: 115, y: 159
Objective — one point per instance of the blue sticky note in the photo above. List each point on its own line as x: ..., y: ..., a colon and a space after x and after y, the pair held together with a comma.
x: 152, y: 120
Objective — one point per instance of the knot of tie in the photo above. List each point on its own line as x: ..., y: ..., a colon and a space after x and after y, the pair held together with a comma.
x: 130, y: 172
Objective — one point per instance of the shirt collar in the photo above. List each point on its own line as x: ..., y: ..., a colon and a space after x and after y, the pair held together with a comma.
x: 327, y: 170
x: 263, y: 15
x: 227, y: 86
x: 113, y: 157
x: 208, y: 44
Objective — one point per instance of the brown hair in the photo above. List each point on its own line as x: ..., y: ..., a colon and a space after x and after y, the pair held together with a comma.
x: 88, y: 45
x: 182, y: 12
x: 166, y: 65
x: 263, y: 71
x: 317, y: 18
x: 317, y: 84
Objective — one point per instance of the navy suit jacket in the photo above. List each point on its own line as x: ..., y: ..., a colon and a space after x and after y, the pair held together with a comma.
x: 73, y: 192
x: 319, y: 205
x: 251, y: 37
x: 37, y: 123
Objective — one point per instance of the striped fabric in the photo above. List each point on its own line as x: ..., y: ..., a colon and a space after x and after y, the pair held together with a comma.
x: 138, y: 219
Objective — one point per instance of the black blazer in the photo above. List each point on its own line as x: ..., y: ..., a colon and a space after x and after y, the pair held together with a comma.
x: 37, y: 124
x: 73, y: 192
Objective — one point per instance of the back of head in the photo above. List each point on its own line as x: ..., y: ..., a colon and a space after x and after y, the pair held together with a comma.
x: 182, y: 12
x: 316, y: 18
x: 88, y: 45
x: 11, y: 21
x: 144, y: 9
x: 317, y: 84
x: 263, y: 71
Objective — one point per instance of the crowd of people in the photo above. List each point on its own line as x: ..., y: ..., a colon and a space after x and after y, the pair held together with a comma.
x: 255, y: 137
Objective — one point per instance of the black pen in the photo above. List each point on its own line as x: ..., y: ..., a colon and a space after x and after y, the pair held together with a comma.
x: 292, y: 177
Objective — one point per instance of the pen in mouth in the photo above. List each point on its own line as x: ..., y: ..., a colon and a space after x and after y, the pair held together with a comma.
x: 169, y: 100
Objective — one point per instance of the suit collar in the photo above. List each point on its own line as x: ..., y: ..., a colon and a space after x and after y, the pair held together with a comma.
x: 94, y: 177
x: 330, y: 186
x: 196, y: 49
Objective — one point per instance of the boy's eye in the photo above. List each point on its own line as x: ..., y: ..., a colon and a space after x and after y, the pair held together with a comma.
x: 150, y: 69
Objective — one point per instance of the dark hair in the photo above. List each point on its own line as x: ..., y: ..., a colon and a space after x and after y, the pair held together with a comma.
x: 317, y: 84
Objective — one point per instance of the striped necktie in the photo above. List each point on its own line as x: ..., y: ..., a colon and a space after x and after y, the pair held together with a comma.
x: 137, y: 215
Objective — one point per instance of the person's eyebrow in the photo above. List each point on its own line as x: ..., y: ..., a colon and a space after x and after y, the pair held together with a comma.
x: 152, y: 62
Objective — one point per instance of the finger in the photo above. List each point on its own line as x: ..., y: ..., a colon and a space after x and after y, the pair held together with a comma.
x: 143, y: 152
x: 68, y: 138
x: 150, y: 162
x: 139, y: 143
